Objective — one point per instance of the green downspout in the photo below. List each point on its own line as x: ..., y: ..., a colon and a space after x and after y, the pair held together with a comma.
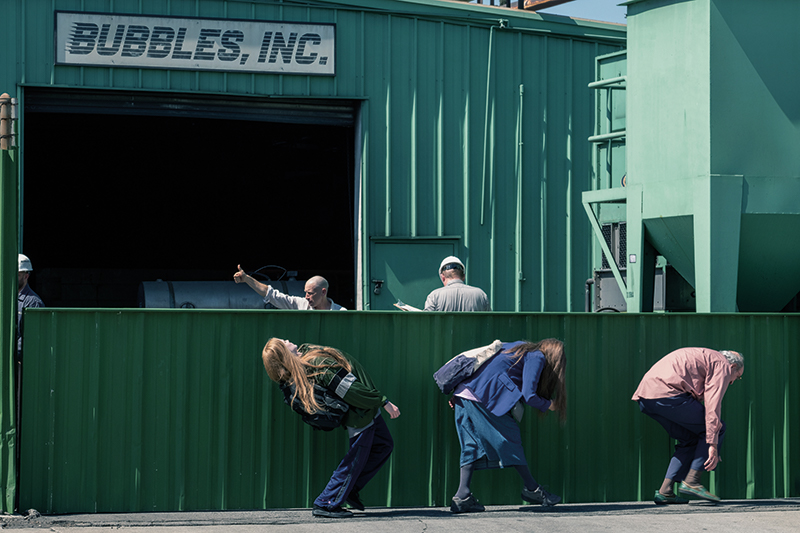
x: 520, y: 226
x: 488, y: 157
x: 8, y: 310
x: 486, y: 128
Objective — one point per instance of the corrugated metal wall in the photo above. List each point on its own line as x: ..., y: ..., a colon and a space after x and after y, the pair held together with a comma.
x: 147, y: 410
x: 487, y: 141
x: 469, y: 130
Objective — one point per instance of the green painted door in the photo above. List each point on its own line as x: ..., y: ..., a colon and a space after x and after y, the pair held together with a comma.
x: 406, y: 269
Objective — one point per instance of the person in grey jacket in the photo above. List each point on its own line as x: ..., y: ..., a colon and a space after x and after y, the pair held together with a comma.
x: 456, y: 295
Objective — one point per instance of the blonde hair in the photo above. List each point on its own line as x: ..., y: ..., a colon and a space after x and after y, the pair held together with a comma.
x: 283, y: 366
x: 552, y: 381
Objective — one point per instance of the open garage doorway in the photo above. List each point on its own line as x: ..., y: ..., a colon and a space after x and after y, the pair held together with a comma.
x: 121, y: 189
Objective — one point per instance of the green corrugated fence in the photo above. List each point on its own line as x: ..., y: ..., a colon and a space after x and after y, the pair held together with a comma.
x: 162, y: 410
x: 9, y: 193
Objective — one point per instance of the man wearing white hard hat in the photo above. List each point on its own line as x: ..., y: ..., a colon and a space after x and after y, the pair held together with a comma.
x: 25, y: 297
x: 456, y: 295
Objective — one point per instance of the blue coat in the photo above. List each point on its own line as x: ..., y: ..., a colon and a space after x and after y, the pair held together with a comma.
x: 499, y: 386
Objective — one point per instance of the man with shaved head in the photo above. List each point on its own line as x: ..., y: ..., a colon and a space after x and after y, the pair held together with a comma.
x: 316, y: 297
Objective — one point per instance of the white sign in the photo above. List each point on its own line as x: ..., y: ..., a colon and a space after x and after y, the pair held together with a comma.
x: 107, y: 40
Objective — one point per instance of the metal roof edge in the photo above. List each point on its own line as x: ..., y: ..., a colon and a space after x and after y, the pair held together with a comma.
x: 619, y: 53
x: 464, y: 12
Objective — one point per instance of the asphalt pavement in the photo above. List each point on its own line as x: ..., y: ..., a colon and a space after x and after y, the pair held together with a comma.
x: 731, y: 516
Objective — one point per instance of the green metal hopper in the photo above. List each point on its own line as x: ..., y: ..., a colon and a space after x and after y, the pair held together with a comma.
x: 713, y: 151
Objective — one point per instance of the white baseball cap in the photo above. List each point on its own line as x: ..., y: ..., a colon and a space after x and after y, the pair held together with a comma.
x: 451, y: 261
x: 24, y: 264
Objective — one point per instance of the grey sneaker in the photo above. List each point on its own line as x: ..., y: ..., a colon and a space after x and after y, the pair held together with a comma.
x: 467, y: 505
x: 540, y: 496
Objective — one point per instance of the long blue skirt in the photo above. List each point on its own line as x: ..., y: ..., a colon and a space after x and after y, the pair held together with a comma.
x: 487, y: 440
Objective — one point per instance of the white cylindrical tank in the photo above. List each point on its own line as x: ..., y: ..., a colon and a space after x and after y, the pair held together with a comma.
x: 210, y: 294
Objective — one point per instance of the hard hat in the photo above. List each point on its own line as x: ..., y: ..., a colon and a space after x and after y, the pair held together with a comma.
x: 25, y: 264
x: 451, y: 261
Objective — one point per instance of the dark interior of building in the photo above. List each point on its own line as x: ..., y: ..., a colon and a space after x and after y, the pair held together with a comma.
x: 112, y: 200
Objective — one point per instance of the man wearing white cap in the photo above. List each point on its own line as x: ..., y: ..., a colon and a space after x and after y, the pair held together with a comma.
x: 456, y: 295
x: 25, y: 296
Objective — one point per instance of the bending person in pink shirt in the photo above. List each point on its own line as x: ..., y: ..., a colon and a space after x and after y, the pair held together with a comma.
x: 683, y: 392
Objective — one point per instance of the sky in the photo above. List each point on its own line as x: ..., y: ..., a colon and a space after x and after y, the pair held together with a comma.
x: 603, y: 10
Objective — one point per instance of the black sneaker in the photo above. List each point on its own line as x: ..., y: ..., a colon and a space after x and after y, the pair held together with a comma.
x: 540, y: 496
x: 336, y: 512
x: 354, y: 501
x: 467, y: 505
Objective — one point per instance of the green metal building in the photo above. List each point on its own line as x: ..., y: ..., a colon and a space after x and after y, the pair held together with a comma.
x: 363, y: 141
x: 433, y: 129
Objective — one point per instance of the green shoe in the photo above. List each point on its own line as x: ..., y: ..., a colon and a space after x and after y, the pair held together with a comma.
x: 699, y: 491
x: 663, y: 499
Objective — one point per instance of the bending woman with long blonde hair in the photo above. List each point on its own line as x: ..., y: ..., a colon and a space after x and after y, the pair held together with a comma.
x: 488, y: 408
x: 370, y: 440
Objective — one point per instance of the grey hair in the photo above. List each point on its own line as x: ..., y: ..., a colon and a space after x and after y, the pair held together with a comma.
x: 734, y: 358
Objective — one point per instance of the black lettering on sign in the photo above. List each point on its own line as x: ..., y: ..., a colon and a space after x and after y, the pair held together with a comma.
x: 230, y: 50
x: 161, y: 42
x: 203, y: 44
x: 178, y: 52
x: 135, y: 41
x: 285, y: 49
x: 265, y: 42
x: 308, y: 38
x: 83, y: 38
x: 102, y: 41
x: 225, y: 44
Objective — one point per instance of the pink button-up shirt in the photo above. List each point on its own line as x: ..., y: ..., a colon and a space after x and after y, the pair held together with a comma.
x: 703, y: 373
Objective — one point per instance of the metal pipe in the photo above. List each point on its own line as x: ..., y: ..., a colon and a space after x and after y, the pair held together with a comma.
x: 6, y: 128
x: 607, y: 136
x: 486, y: 121
x: 544, y: 98
x: 610, y: 81
x: 520, y: 225
x: 588, y: 296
